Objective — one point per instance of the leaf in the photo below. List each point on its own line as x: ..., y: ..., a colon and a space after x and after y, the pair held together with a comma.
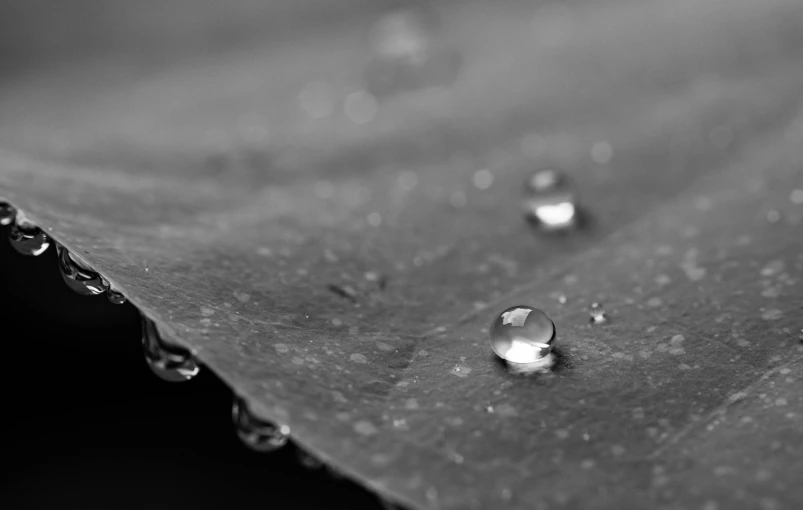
x: 300, y: 263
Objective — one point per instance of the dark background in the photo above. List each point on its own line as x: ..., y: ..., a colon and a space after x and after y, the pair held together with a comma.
x: 88, y: 425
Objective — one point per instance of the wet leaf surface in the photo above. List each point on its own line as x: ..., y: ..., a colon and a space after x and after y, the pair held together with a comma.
x: 341, y: 277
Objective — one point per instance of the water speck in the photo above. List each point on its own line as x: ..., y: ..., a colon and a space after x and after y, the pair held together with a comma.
x: 597, y: 314
x: 317, y: 99
x: 365, y: 428
x: 374, y: 219
x: 26, y: 238
x: 360, y: 107
x: 483, y: 179
x: 522, y: 334
x: 255, y: 433
x: 411, y: 404
x: 358, y: 358
x: 170, y: 362
x: 771, y: 314
x: 460, y: 370
x: 601, y: 153
x: 796, y: 196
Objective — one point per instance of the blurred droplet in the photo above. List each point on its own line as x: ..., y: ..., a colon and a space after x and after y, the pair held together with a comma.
x: 78, y: 275
x: 171, y: 363
x: 457, y: 199
x: 602, y: 153
x: 406, y: 54
x: 360, y: 107
x: 483, y: 179
x: 796, y: 196
x: 544, y: 181
x: 7, y: 213
x: 522, y: 334
x: 317, y: 99
x: 597, y: 314
x: 26, y: 238
x: 259, y: 435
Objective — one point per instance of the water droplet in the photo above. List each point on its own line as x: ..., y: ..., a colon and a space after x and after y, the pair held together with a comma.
x: 115, y: 296
x: 308, y: 461
x: 7, y: 213
x: 26, y: 238
x: 601, y: 153
x: 550, y: 205
x: 597, y: 313
x: 796, y: 197
x: 78, y: 275
x: 172, y: 363
x: 522, y: 334
x: 260, y: 436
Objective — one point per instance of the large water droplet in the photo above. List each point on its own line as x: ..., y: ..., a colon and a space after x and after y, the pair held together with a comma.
x: 597, y: 313
x: 172, y: 363
x: 550, y: 204
x: 26, y: 238
x: 78, y: 275
x: 522, y: 334
x: 7, y: 213
x: 257, y: 434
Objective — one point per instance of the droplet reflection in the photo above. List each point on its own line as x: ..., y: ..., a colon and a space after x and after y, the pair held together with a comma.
x: 78, y: 275
x: 522, y: 334
x: 26, y: 238
x: 7, y: 214
x: 171, y: 363
x: 257, y: 434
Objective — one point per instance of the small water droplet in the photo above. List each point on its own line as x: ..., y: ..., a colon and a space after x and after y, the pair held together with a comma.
x: 796, y: 198
x: 26, y: 238
x: 522, y: 334
x: 115, y: 296
x: 7, y: 213
x: 78, y: 275
x: 483, y: 179
x: 172, y: 363
x: 308, y: 460
x: 260, y: 436
x: 550, y: 205
x: 597, y: 313
x: 773, y: 216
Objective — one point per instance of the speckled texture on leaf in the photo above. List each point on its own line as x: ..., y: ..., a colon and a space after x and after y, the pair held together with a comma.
x: 342, y: 296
